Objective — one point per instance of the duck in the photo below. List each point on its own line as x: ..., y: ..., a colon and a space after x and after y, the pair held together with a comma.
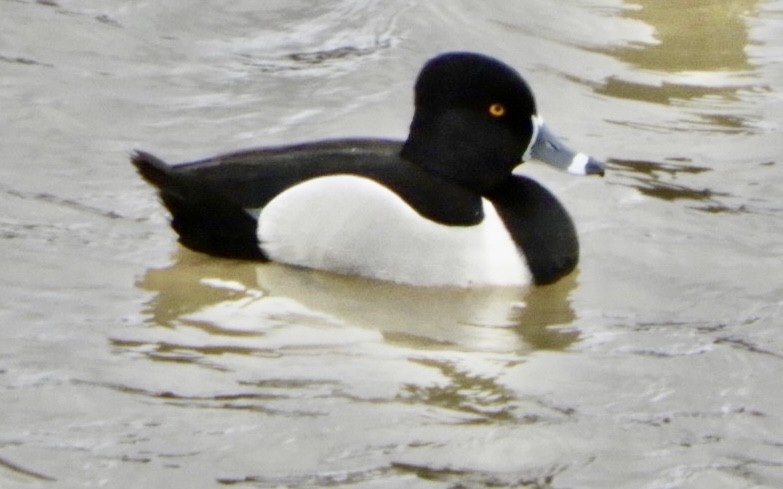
x: 443, y: 208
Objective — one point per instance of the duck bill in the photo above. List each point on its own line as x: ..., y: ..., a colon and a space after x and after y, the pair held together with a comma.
x: 546, y: 147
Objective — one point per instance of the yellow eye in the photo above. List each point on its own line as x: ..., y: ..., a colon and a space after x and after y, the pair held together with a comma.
x: 497, y: 110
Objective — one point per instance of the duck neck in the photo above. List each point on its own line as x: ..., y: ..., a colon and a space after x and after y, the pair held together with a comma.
x: 457, y: 155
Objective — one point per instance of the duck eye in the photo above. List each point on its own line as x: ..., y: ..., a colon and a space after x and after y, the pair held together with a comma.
x: 497, y: 110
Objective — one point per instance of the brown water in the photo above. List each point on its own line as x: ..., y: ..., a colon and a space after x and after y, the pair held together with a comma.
x: 128, y: 362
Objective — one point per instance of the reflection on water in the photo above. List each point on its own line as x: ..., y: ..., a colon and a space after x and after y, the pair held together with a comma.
x: 229, y: 299
x: 691, y: 35
x: 700, y: 55
x: 271, y: 339
x: 665, y: 92
x: 697, y: 78
x: 467, y: 392
x: 648, y: 178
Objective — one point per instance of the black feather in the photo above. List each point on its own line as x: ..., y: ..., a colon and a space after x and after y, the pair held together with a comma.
x: 205, y: 219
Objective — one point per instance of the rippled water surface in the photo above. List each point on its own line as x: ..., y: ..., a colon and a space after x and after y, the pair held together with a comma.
x: 126, y: 361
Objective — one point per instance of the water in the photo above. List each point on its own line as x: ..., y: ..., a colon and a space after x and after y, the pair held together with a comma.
x: 126, y: 361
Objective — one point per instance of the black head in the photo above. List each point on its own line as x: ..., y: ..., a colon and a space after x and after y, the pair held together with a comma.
x: 472, y: 122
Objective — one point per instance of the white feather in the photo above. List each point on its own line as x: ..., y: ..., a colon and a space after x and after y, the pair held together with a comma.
x: 353, y: 225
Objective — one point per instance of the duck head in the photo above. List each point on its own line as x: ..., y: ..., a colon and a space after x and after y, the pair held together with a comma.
x: 475, y: 121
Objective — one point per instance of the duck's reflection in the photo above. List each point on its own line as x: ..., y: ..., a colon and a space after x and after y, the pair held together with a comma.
x: 238, y: 298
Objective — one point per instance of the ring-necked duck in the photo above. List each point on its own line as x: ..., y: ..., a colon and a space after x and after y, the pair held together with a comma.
x: 439, y: 209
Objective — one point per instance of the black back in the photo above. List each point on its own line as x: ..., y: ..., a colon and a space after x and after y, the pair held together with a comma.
x: 252, y: 178
x: 214, y: 202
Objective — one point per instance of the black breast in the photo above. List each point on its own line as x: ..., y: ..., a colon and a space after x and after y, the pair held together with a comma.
x: 539, y: 225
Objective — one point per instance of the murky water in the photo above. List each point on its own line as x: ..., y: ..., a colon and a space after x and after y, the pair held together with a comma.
x: 128, y: 362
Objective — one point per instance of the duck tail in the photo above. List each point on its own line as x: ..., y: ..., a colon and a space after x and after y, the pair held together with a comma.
x: 205, y: 219
x: 154, y: 170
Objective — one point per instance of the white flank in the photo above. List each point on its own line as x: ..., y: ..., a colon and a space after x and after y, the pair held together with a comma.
x: 353, y: 225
